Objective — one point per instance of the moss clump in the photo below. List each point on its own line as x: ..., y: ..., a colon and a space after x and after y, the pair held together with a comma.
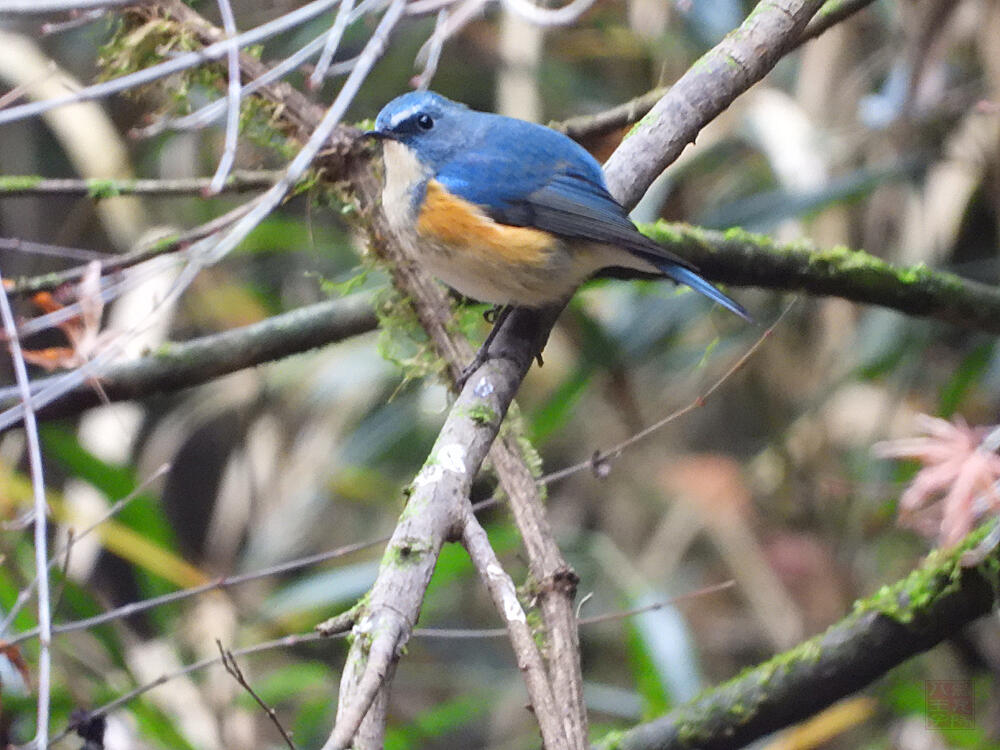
x: 482, y: 414
x: 16, y: 183
x: 98, y: 189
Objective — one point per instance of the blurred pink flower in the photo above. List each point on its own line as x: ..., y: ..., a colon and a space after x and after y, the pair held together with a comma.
x: 957, y: 485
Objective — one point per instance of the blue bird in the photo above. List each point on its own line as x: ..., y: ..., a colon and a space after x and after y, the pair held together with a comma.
x: 506, y: 211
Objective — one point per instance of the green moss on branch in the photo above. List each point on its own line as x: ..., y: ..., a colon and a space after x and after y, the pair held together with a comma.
x: 896, y: 623
x: 746, y: 259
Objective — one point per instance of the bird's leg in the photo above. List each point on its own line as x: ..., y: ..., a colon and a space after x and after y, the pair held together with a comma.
x: 495, y: 315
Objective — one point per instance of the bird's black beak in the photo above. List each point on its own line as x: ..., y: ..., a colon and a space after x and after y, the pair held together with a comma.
x: 379, y: 135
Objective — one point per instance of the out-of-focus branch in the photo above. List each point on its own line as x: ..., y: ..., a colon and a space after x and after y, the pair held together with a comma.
x: 900, y: 621
x: 56, y: 6
x: 238, y: 182
x: 110, y: 264
x: 182, y: 365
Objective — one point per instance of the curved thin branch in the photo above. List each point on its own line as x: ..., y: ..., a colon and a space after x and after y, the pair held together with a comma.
x: 900, y: 621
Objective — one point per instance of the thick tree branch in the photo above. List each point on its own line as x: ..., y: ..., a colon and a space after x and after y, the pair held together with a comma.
x: 564, y: 721
x: 546, y: 708
x: 175, y: 366
x: 900, y: 621
x: 584, y: 127
x: 709, y: 86
x: 746, y: 259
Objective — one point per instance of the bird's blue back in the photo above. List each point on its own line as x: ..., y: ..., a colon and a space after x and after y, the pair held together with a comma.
x: 526, y: 175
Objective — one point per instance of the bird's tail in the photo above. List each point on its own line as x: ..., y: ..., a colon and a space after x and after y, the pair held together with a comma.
x: 687, y: 276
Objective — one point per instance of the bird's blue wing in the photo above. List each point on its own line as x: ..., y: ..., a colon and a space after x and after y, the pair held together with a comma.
x: 528, y: 175
x: 524, y: 174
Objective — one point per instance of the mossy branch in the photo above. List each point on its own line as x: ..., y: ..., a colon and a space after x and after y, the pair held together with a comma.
x: 896, y: 623
x: 746, y: 259
x: 98, y: 188
x: 174, y: 366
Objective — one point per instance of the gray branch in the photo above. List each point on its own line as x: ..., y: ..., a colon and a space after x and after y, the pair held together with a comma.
x: 709, y: 86
x: 899, y: 622
x: 174, y: 366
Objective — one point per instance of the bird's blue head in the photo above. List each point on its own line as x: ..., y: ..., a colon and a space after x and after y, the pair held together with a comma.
x: 433, y: 127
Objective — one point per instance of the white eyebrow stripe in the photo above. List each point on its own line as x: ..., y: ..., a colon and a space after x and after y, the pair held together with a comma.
x: 405, y: 115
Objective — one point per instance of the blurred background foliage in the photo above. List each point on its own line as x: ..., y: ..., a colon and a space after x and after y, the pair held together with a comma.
x: 883, y: 134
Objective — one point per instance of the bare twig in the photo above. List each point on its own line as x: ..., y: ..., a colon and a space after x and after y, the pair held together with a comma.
x: 169, y: 67
x: 624, y: 115
x: 233, y: 668
x: 288, y: 641
x: 331, y: 43
x: 611, y: 454
x: 232, y: 100
x: 223, y: 582
x: 41, y: 521
x: 142, y: 254
x: 24, y: 595
x: 55, y: 6
x: 17, y: 245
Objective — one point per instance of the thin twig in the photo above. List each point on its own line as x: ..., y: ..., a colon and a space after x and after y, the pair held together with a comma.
x: 288, y: 641
x: 431, y: 51
x: 232, y: 100
x: 17, y: 245
x: 142, y: 254
x: 231, y: 666
x: 211, y: 250
x: 501, y: 587
x: 24, y: 595
x: 41, y: 521
x: 55, y: 6
x: 222, y: 582
x: 628, y: 113
x: 601, y: 458
x: 331, y: 43
x: 173, y: 65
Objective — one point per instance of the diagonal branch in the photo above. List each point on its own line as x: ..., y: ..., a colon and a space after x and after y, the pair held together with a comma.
x: 709, y: 86
x: 622, y: 115
x: 895, y: 624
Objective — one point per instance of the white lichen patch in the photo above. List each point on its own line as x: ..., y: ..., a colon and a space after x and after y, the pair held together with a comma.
x: 450, y: 458
x: 512, y: 610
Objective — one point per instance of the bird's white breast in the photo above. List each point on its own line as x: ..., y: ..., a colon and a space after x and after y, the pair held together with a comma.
x: 403, y: 173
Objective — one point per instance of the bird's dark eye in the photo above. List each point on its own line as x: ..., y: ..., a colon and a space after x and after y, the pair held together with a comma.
x: 426, y: 122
